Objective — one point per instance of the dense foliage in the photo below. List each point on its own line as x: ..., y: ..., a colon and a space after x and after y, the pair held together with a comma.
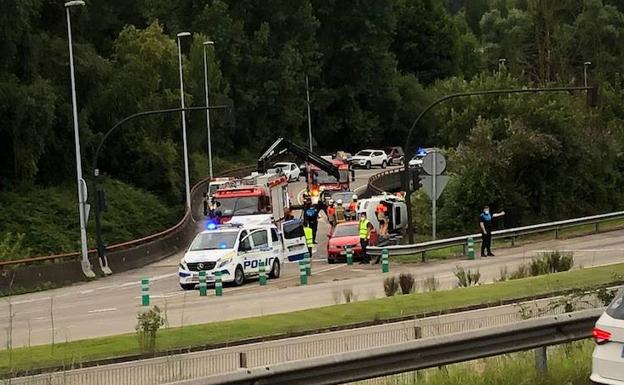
x: 372, y: 65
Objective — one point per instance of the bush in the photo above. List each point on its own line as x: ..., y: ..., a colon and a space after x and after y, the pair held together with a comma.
x: 147, y: 326
x: 391, y: 285
x: 466, y: 278
x: 349, y: 295
x: 551, y: 262
x: 431, y: 284
x: 406, y: 282
x: 503, y: 274
x: 12, y: 248
x: 521, y: 272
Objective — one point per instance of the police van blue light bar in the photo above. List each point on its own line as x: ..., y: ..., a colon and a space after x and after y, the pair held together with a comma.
x: 211, y: 225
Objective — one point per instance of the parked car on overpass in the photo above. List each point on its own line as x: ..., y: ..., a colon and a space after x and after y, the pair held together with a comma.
x: 370, y: 158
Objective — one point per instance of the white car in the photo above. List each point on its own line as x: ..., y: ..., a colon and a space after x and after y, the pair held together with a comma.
x: 370, y: 158
x: 236, y: 250
x: 608, y: 357
x: 291, y: 170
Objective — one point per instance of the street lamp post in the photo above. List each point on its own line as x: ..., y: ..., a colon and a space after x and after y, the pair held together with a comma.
x: 309, y: 117
x: 186, y: 166
x: 82, y: 186
x: 585, y: 65
x: 206, y: 44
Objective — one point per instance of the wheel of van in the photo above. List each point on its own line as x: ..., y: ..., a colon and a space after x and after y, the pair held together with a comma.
x: 239, y: 276
x: 383, y: 164
x: 187, y: 286
x: 368, y: 165
x: 276, y: 270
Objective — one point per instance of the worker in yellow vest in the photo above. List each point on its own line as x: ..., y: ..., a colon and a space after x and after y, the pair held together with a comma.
x: 307, y: 231
x: 364, y: 236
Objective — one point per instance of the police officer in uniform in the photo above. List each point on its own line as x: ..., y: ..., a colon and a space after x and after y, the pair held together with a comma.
x: 486, y: 226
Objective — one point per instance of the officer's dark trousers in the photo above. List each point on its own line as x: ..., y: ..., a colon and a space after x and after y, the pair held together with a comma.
x: 486, y: 243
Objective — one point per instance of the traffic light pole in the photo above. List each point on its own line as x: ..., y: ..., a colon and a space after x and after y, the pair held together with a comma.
x: 99, y: 189
x: 592, y: 96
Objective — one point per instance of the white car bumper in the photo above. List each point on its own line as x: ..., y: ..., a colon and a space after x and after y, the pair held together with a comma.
x: 188, y: 277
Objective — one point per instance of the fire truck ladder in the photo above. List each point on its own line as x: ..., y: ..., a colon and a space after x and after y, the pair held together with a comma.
x: 282, y: 145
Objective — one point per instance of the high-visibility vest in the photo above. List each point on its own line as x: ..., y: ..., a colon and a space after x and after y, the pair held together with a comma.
x: 340, y: 214
x: 353, y: 206
x: 331, y: 213
x: 308, y: 235
x: 364, y: 229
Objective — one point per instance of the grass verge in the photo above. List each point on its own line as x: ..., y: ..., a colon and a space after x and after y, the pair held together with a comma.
x: 568, y: 364
x: 458, y: 251
x: 74, y: 353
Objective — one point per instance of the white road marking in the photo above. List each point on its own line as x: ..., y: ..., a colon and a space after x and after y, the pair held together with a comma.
x: 575, y: 250
x: 87, y: 291
x: 103, y: 310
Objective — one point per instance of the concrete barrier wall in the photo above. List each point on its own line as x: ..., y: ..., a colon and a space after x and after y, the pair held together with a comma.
x: 60, y: 271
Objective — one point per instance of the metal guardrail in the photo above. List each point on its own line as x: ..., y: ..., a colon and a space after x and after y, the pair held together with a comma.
x: 187, y: 366
x: 508, y: 233
x: 415, y: 355
x: 129, y: 244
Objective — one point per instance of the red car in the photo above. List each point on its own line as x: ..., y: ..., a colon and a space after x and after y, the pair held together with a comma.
x: 345, y: 234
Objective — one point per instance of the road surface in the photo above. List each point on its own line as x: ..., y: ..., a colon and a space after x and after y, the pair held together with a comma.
x: 109, y: 305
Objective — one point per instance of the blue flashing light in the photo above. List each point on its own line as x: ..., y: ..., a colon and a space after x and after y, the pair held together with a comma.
x: 421, y: 151
x: 223, y: 245
x: 211, y: 225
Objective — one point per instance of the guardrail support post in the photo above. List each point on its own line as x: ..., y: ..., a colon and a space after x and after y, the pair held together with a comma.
x: 349, y: 255
x: 242, y: 360
x: 556, y: 233
x: 417, y: 332
x: 145, y: 297
x: 513, y: 241
x: 541, y: 360
x: 597, y: 227
x: 218, y: 284
x: 202, y: 284
x: 262, y: 272
x: 423, y: 258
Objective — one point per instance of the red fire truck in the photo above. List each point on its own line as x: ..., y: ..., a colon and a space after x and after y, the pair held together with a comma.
x: 256, y: 194
x: 321, y: 174
x: 321, y: 184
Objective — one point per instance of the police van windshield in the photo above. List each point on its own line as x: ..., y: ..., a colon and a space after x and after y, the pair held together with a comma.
x: 214, y: 241
x: 239, y: 206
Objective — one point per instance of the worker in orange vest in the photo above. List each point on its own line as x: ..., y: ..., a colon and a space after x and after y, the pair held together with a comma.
x: 331, y: 213
x: 381, y: 211
x: 353, y: 208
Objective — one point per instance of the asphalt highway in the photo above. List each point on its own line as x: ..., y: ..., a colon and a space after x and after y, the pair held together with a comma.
x: 109, y: 305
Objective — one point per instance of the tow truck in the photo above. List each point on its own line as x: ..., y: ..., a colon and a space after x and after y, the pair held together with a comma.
x: 254, y: 195
x: 236, y: 249
x: 323, y: 176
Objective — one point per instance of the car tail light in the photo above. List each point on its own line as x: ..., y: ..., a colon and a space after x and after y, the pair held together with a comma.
x: 601, y: 336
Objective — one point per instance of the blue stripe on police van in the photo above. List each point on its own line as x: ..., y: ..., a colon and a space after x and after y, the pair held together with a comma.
x: 296, y: 257
x: 183, y: 274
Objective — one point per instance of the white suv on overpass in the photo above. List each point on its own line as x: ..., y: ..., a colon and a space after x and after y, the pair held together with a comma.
x: 370, y: 158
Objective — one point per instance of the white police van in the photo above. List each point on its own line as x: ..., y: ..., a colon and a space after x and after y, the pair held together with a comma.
x: 236, y: 249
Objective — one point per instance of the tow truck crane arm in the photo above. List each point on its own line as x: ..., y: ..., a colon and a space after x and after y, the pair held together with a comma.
x: 282, y: 145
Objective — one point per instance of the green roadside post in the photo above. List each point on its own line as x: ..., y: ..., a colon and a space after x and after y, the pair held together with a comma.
x: 145, y: 298
x: 308, y: 264
x: 218, y: 284
x: 303, y: 277
x: 202, y: 284
x: 263, y: 277
x: 349, y: 255
x: 471, y: 254
x: 385, y: 263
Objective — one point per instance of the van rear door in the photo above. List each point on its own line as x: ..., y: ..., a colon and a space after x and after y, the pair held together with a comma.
x: 294, y: 240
